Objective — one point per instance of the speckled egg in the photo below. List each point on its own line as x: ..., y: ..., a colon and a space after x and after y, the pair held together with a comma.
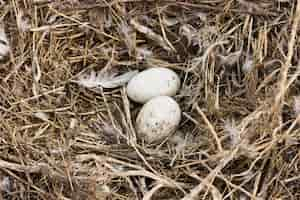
x: 158, y: 118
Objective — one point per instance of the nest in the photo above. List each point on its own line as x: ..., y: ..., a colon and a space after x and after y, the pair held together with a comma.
x: 238, y: 62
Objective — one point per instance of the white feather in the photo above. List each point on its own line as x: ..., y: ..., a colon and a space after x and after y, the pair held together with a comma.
x: 234, y: 133
x: 4, y: 43
x: 248, y: 65
x: 105, y: 79
x: 5, y: 184
x: 297, y: 105
x: 22, y: 22
x: 143, y: 53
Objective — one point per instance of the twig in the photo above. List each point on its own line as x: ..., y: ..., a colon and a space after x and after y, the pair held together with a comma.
x: 285, y: 68
x: 150, y: 34
x: 193, y: 195
x: 59, y: 89
x: 211, y: 128
x: 149, y: 194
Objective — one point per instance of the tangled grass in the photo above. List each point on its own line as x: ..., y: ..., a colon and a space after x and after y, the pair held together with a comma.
x: 239, y: 64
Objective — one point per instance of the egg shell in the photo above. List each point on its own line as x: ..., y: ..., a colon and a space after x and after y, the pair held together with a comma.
x: 158, y: 118
x: 151, y: 83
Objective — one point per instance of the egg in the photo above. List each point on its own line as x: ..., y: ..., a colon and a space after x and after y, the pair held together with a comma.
x: 157, y: 119
x: 151, y: 83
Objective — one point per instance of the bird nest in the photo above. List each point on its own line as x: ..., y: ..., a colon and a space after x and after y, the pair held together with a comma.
x: 238, y: 62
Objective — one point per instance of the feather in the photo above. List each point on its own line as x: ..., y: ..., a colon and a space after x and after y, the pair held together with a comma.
x: 105, y: 79
x: 4, y: 43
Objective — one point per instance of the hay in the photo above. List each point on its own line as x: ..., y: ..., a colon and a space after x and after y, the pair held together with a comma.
x: 239, y: 66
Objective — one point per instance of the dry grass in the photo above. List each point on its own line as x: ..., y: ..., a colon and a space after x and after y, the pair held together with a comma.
x: 238, y: 61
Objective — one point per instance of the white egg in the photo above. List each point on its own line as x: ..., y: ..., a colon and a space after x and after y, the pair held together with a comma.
x: 151, y: 83
x: 158, y: 118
